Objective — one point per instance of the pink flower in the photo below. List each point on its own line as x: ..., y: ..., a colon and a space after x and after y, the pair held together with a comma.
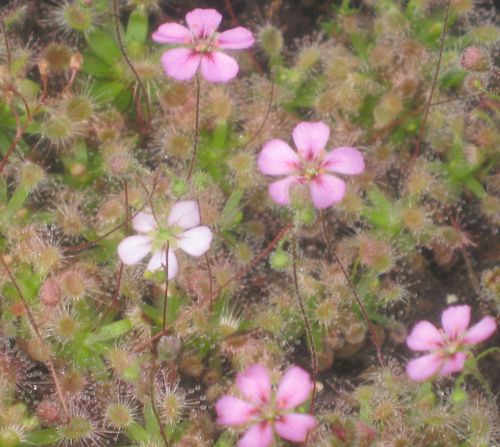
x: 201, y: 45
x: 310, y: 164
x: 447, y: 345
x: 267, y: 412
x: 182, y: 231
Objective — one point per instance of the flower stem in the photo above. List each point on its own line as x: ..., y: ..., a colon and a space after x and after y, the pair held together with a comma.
x: 165, y: 299
x: 371, y: 328
x: 307, y: 325
x: 196, y: 130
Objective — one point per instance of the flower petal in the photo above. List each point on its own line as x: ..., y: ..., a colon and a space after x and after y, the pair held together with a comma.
x: 184, y: 214
x: 195, y: 241
x: 294, y: 388
x: 455, y: 320
x: 144, y: 222
x: 259, y: 435
x: 172, y: 33
x: 203, y: 22
x: 235, y: 39
x: 279, y: 190
x: 422, y: 368
x: 344, y: 160
x: 255, y: 384
x: 326, y: 190
x: 233, y: 411
x: 294, y: 426
x: 157, y: 262
x: 424, y: 337
x: 133, y: 248
x: 277, y: 158
x: 453, y: 364
x: 218, y: 67
x: 180, y: 63
x: 480, y: 331
x: 310, y: 139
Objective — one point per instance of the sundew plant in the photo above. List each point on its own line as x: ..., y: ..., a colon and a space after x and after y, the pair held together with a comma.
x: 238, y: 223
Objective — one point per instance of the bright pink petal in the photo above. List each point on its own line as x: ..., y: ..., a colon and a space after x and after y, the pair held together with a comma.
x: 180, y: 63
x: 310, y: 139
x: 144, y: 222
x: 172, y: 33
x: 455, y: 320
x: 453, y: 364
x: 294, y: 388
x: 158, y: 260
x: 279, y: 190
x: 235, y: 39
x: 232, y: 411
x: 424, y: 337
x: 344, y: 160
x: 480, y: 331
x: 423, y: 368
x: 218, y: 67
x: 259, y: 435
x: 203, y: 22
x: 184, y: 214
x: 277, y: 158
x: 326, y: 190
x: 255, y: 384
x: 195, y: 241
x: 133, y: 248
x: 294, y: 427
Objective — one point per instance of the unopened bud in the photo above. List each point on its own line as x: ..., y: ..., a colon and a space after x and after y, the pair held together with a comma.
x: 50, y: 293
x: 43, y: 68
x: 76, y: 62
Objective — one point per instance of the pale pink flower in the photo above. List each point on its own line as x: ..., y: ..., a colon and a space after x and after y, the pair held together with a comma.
x: 200, y: 45
x: 449, y: 346
x: 310, y: 165
x: 267, y: 412
x: 182, y: 231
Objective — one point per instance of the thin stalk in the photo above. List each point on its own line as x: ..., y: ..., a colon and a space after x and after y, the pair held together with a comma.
x: 371, y: 328
x: 164, y: 321
x: 34, y: 324
x: 307, y: 325
x: 155, y: 410
x: 116, y: 21
x: 6, y: 40
x: 196, y: 130
x: 434, y: 83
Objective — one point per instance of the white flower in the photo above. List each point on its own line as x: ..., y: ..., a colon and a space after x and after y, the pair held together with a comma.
x: 183, y: 231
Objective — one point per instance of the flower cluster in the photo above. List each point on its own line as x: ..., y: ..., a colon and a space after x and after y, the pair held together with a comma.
x: 266, y: 412
x: 448, y: 346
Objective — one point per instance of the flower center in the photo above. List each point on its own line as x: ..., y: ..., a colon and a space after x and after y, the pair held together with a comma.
x: 310, y: 170
x: 163, y: 236
x: 204, y: 44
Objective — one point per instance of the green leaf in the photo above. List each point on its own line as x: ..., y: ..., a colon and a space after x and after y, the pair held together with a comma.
x: 95, y: 66
x: 103, y: 45
x: 137, y: 27
x: 137, y: 433
x: 16, y: 201
x: 47, y: 436
x: 107, y: 91
x: 231, y: 214
x: 109, y: 331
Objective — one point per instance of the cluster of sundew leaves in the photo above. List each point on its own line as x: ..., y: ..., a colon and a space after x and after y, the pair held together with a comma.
x: 86, y: 144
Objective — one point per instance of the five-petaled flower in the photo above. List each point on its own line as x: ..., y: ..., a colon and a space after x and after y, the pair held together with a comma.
x: 448, y: 346
x: 182, y: 231
x: 201, y: 45
x: 267, y: 412
x: 309, y: 165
